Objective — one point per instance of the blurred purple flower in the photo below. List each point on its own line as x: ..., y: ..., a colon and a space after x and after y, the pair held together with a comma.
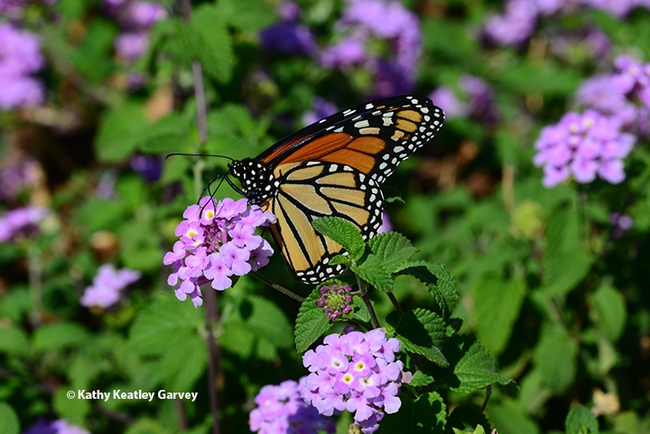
x: 621, y: 223
x: 335, y: 300
x: 386, y: 225
x: 281, y: 410
x: 20, y: 55
x: 216, y: 242
x: 357, y: 372
x: 583, y: 145
x: 148, y: 166
x: 592, y: 41
x: 107, y: 286
x: 143, y: 15
x: 363, y: 23
x: 288, y: 11
x: 287, y: 38
x: 21, y: 222
x: 130, y: 46
x: 62, y: 426
x: 321, y: 109
x: 515, y: 26
x: 446, y: 99
x: 41, y: 427
x: 106, y: 186
x: 633, y: 79
x: 13, y: 9
x: 617, y: 8
x: 17, y: 176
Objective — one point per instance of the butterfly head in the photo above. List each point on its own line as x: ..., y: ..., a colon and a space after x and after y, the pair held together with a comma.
x: 256, y: 179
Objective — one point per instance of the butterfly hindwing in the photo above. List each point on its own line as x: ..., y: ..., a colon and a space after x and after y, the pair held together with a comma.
x: 311, y: 190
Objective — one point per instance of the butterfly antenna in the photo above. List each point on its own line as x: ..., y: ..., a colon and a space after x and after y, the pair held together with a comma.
x: 174, y: 154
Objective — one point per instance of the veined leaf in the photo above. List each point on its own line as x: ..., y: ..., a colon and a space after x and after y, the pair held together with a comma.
x: 392, y: 249
x: 422, y: 332
x: 311, y: 323
x: 343, y: 232
x: 426, y: 414
x: 581, y: 420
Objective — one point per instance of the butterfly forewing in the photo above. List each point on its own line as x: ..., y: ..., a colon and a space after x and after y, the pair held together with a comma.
x: 334, y: 167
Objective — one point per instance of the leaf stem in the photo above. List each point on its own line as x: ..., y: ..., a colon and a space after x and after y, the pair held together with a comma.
x: 277, y: 287
x: 363, y: 289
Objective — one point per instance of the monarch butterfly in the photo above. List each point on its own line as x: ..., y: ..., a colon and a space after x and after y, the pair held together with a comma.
x: 334, y: 167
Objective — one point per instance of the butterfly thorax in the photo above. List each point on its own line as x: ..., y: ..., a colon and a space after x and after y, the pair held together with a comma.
x: 256, y: 178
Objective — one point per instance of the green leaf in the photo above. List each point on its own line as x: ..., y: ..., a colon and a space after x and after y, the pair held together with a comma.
x: 422, y: 332
x: 170, y: 329
x: 13, y: 341
x: 215, y: 49
x: 146, y: 426
x: 581, y: 420
x: 249, y: 15
x: 140, y: 246
x: 439, y: 281
x: 74, y: 410
x: 311, y: 322
x: 169, y: 134
x: 265, y: 324
x: 421, y: 379
x: 57, y: 336
x: 427, y: 414
x: 496, y: 308
x: 564, y: 270
x: 476, y: 370
x: 119, y: 133
x: 555, y: 356
x: 374, y: 273
x: 609, y: 312
x: 468, y: 418
x: 392, y: 249
x: 10, y: 423
x: 342, y: 232
x: 510, y: 418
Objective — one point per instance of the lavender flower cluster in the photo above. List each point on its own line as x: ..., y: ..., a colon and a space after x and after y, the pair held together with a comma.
x: 107, y: 286
x: 217, y: 241
x: 583, y: 145
x: 60, y: 426
x: 136, y: 18
x: 281, y: 410
x: 357, y: 372
x: 518, y: 22
x: 596, y: 141
x: 21, y: 222
x: 363, y: 23
x: 20, y: 57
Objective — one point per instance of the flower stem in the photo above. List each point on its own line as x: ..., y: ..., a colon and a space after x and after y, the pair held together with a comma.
x: 277, y: 287
x: 363, y: 289
x: 35, y: 277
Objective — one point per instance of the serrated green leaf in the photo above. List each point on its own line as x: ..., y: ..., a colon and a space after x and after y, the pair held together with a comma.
x: 392, y: 249
x: 477, y: 369
x: 581, y: 420
x: 439, y: 281
x: 609, y: 312
x: 343, y: 232
x: 555, y: 356
x: 13, y: 341
x: 564, y: 270
x: 496, y: 308
x: 119, y: 133
x: 184, y: 361
x: 421, y: 379
x: 311, y: 322
x: 264, y: 322
x: 215, y: 53
x: 10, y: 423
x: 57, y: 336
x: 422, y: 332
x: 426, y: 414
x: 249, y: 15
x: 374, y: 273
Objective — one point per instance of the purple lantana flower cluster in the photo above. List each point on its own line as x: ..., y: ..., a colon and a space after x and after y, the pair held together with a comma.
x: 20, y: 57
x: 519, y: 19
x: 281, y: 410
x: 136, y: 18
x: 217, y: 241
x: 583, y: 145
x: 357, y: 372
x: 21, y: 222
x: 60, y: 426
x: 365, y: 22
x: 108, y: 285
